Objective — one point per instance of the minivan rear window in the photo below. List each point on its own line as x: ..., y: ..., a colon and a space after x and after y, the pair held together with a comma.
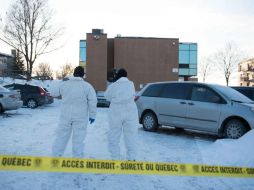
x: 153, y: 90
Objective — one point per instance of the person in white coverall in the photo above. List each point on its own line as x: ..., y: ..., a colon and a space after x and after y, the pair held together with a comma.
x: 78, y: 104
x: 123, y: 116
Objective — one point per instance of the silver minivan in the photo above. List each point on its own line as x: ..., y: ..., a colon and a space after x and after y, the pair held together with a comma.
x: 210, y: 108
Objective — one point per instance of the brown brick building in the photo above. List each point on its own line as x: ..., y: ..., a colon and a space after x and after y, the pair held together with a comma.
x: 145, y: 59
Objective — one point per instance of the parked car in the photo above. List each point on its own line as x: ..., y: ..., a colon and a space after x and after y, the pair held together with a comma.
x: 50, y: 99
x: 101, y: 100
x: 245, y: 90
x: 211, y: 108
x: 9, y: 100
x: 32, y: 96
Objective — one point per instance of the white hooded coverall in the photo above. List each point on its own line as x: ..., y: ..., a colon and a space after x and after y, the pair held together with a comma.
x: 123, y: 118
x: 78, y: 103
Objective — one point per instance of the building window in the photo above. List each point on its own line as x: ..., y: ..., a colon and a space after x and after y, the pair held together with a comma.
x: 188, y: 59
x: 193, y: 66
x: 184, y: 57
x: 183, y: 72
x: 193, y: 72
x: 193, y: 57
x: 82, y: 50
x: 183, y: 65
x: 82, y: 53
x: 193, y: 47
x: 184, y: 47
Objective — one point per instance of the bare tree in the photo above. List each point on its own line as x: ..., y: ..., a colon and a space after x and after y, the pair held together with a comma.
x: 65, y: 70
x: 227, y: 60
x: 44, y: 72
x: 205, y: 67
x: 30, y: 30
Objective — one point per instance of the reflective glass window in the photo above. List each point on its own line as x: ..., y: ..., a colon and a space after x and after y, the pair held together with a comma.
x: 82, y: 43
x: 82, y: 50
x: 82, y: 54
x: 192, y: 71
x: 183, y: 71
x: 193, y: 57
x: 184, y: 57
x: 193, y: 66
x: 184, y: 47
x: 193, y: 47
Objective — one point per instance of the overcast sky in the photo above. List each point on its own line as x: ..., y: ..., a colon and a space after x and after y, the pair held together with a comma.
x: 210, y: 23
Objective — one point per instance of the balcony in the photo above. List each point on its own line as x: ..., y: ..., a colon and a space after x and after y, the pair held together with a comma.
x: 246, y: 79
x: 249, y: 68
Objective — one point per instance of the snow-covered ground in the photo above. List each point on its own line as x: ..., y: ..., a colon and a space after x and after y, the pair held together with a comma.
x: 31, y: 132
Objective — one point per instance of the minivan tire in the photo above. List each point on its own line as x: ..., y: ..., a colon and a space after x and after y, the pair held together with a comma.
x: 31, y: 103
x: 149, y: 121
x: 234, y: 129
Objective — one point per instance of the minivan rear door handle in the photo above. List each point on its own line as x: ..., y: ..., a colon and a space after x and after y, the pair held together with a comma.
x: 182, y: 102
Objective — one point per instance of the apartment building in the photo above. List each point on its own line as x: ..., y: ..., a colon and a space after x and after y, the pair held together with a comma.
x: 246, y: 69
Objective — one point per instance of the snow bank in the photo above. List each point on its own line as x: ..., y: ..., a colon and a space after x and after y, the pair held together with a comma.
x: 230, y: 152
x: 52, y: 86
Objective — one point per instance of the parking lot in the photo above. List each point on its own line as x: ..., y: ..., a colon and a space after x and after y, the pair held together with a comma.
x: 31, y: 132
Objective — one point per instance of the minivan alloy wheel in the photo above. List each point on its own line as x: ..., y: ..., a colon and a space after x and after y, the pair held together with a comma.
x: 235, y: 129
x: 149, y: 122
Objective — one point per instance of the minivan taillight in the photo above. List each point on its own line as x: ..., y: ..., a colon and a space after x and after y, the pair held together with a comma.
x: 136, y: 98
x: 42, y: 92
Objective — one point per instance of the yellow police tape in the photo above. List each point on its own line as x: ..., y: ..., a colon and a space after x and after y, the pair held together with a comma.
x: 47, y: 164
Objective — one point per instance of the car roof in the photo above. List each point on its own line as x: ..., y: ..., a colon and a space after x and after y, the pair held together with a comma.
x: 230, y: 93
x: 185, y: 82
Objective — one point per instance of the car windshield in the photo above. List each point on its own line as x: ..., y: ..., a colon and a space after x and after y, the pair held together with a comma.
x: 232, y: 94
x: 2, y: 89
